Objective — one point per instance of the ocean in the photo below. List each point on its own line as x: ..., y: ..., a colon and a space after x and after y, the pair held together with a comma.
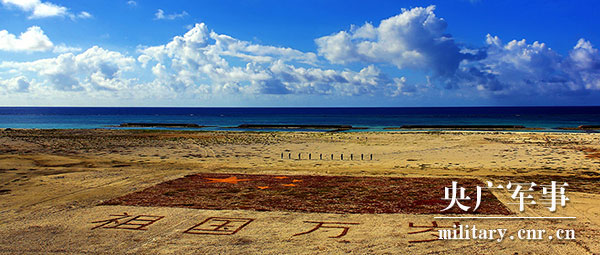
x: 374, y: 119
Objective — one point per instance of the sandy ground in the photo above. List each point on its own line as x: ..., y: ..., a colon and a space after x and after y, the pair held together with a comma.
x: 51, y: 182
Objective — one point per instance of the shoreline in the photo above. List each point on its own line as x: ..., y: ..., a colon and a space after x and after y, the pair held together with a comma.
x: 316, y: 130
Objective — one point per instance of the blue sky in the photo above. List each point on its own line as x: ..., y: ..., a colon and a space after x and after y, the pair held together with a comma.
x: 298, y: 53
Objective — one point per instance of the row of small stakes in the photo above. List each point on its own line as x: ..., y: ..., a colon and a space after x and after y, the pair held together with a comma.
x: 332, y: 156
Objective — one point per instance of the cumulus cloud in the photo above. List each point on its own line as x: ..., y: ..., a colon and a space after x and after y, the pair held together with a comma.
x: 585, y: 60
x: 415, y: 39
x: 520, y: 68
x: 18, y: 84
x: 200, y: 62
x: 94, y: 69
x: 160, y: 14
x: 39, y: 9
x: 132, y: 3
x: 33, y: 39
x: 201, y: 55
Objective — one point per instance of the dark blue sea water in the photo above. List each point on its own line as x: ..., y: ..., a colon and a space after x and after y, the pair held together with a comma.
x: 373, y: 118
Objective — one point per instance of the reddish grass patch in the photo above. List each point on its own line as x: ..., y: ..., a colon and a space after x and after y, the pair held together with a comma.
x: 326, y: 194
x: 590, y: 152
x: 593, y: 155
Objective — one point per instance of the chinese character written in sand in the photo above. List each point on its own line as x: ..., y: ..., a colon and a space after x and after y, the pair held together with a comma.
x: 430, y: 230
x: 219, y: 226
x: 139, y: 222
x: 322, y: 224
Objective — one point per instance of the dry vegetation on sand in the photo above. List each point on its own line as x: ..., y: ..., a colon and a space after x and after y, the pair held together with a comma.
x: 307, y: 193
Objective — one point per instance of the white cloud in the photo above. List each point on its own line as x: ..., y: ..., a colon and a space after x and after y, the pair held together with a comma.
x: 39, y: 9
x: 160, y: 14
x: 94, y: 69
x: 519, y: 68
x: 415, y: 39
x: 84, y: 15
x: 585, y: 60
x: 196, y: 64
x: 31, y: 40
x: 132, y: 3
x: 584, y: 56
x: 62, y: 48
x: 224, y: 63
x: 402, y: 88
x: 17, y: 84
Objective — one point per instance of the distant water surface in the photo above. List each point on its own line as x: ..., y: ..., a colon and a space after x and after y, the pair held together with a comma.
x: 375, y: 119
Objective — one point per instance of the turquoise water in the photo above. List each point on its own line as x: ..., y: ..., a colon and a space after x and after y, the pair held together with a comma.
x: 375, y: 119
